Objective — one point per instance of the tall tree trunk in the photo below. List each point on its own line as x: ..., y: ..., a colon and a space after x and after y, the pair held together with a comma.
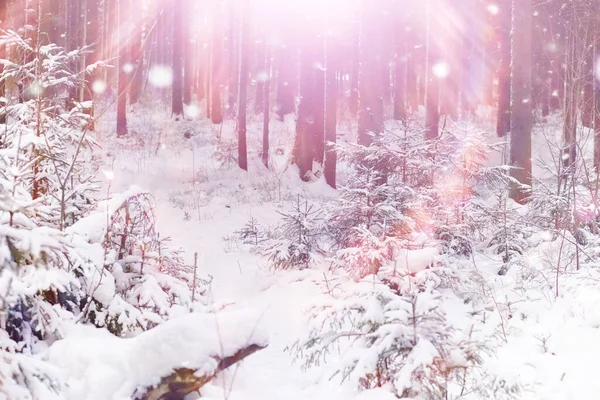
x: 110, y: 44
x: 521, y: 113
x: 242, y: 92
x: 286, y: 80
x: 3, y: 56
x: 178, y: 51
x: 136, y: 53
x: 304, y: 150
x: 188, y: 76
x: 259, y: 76
x: 319, y: 100
x: 123, y: 76
x: 93, y: 39
x: 329, y: 168
x: 412, y: 92
x: 400, y: 74
x: 503, y: 116
x: 432, y: 98
x: 266, y: 108
x: 355, y: 71
x: 573, y: 76
x: 370, y: 91
x: 201, y: 58
x: 216, y: 112
x: 231, y: 58
x: 82, y: 41
x: 596, y: 67
x: 73, y: 19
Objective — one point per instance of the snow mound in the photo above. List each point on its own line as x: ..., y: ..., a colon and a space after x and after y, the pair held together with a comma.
x: 101, y: 366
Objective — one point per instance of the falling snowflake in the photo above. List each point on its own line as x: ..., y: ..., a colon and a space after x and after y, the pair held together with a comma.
x: 99, y: 86
x: 191, y: 111
x: 128, y: 68
x: 441, y: 70
x: 493, y: 9
x: 35, y: 89
x: 262, y: 76
x: 160, y: 76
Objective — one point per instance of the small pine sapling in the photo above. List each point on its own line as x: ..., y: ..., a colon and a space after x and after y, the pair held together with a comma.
x: 297, y: 241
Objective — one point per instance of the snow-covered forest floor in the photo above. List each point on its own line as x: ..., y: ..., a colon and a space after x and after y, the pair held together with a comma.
x: 543, y: 344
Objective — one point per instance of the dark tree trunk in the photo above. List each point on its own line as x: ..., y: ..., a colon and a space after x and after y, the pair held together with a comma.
x: 259, y: 76
x: 178, y: 53
x: 201, y: 59
x: 3, y: 55
x: 370, y: 118
x: 355, y: 73
x: 231, y: 46
x: 596, y: 67
x: 521, y: 113
x: 400, y: 74
x: 188, y: 73
x: 576, y: 46
x: 329, y: 168
x: 588, y: 73
x: 93, y: 38
x: 286, y: 80
x: 467, y: 95
x: 123, y: 76
x: 412, y: 97
x: 73, y: 18
x: 304, y: 150
x: 216, y: 112
x: 432, y: 99
x: 242, y: 92
x: 266, y: 110
x: 504, y: 84
x: 109, y: 54
x: 137, y: 56
x: 319, y: 101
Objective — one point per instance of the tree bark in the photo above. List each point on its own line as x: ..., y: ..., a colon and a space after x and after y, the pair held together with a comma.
x: 432, y: 97
x: 216, y: 112
x: 242, y: 92
x: 123, y: 76
x: 521, y: 112
x: 3, y: 55
x: 184, y: 381
x: 319, y: 100
x: 178, y: 53
x: 188, y: 76
x: 370, y: 91
x: 504, y: 84
x: 304, y: 151
x: 400, y: 74
x: 329, y: 168
x: 266, y: 108
x: 286, y: 80
x: 259, y: 76
x: 136, y: 54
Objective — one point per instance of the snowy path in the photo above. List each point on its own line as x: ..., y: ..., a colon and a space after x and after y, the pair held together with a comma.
x: 239, y: 279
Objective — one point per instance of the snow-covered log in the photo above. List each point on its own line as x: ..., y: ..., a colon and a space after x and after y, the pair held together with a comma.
x: 100, y: 366
x: 183, y: 381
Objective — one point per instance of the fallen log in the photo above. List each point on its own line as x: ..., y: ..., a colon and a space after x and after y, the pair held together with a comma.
x: 184, y: 381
